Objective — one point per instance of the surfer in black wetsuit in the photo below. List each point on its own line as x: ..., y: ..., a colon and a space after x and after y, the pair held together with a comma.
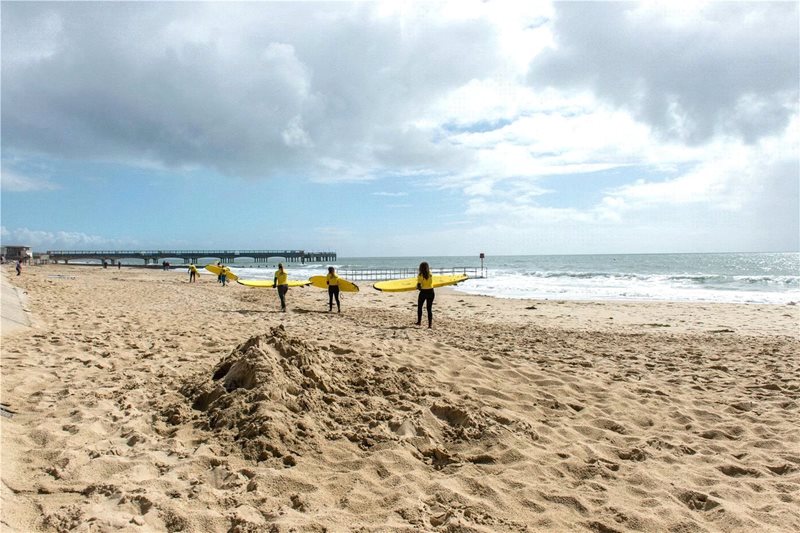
x: 281, y: 281
x: 426, y: 295
x: 332, y: 281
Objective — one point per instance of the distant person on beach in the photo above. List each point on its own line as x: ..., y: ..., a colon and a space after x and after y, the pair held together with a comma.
x: 119, y: 265
x: 223, y: 275
x: 192, y: 273
x: 425, y: 288
x: 221, y: 271
x: 333, y: 289
x: 18, y: 268
x: 281, y: 281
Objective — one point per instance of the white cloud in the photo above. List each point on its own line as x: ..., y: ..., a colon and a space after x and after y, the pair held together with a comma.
x: 51, y: 240
x: 295, y: 136
x: 691, y: 73
x: 341, y: 171
x: 391, y: 194
x: 737, y: 197
x: 731, y: 175
x: 253, y: 89
x: 575, y: 134
x: 37, y: 40
x: 555, y: 135
x: 14, y: 182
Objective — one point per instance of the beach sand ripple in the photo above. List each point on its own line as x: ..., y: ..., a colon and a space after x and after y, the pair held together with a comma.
x: 140, y: 402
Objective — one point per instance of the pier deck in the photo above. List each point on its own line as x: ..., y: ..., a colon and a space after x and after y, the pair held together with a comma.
x: 192, y: 256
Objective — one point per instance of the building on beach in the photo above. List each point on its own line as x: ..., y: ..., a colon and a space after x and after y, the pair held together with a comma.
x: 16, y: 253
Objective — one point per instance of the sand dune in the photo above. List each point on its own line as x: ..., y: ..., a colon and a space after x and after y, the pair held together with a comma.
x: 145, y: 403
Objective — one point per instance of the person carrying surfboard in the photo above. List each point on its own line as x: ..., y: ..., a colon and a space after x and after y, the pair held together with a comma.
x: 426, y: 295
x: 281, y: 282
x: 332, y: 280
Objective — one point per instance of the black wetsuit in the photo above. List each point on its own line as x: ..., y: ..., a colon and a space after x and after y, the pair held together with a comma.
x: 282, y: 290
x: 425, y: 296
x: 333, y: 292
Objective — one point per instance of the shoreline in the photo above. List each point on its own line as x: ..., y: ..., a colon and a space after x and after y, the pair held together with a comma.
x: 367, y: 284
x: 509, y: 414
x: 631, y: 300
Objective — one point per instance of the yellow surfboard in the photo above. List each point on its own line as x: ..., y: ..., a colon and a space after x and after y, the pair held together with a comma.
x: 267, y: 283
x: 344, y: 285
x: 216, y: 270
x: 410, y: 284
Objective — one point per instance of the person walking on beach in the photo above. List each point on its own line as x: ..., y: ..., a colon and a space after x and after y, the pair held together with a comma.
x: 332, y: 281
x: 425, y: 288
x: 223, y: 275
x: 221, y: 271
x: 281, y: 281
x: 192, y: 273
x: 18, y: 267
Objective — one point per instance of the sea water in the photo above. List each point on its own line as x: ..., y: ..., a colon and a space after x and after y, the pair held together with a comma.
x: 771, y: 278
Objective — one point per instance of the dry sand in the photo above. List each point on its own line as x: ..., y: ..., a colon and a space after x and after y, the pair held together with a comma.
x: 145, y: 403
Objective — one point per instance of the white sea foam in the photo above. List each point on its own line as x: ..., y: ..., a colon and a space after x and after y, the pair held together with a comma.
x: 625, y: 287
x: 733, y: 278
x: 295, y: 272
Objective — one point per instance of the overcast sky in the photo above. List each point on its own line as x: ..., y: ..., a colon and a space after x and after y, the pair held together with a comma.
x: 402, y: 128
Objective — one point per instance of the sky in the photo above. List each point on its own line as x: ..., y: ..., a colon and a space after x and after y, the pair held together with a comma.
x: 401, y: 128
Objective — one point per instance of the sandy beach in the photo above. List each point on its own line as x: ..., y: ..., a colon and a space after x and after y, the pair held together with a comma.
x: 136, y: 401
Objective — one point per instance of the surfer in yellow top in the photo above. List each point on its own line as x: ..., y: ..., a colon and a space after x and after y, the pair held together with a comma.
x: 333, y: 289
x: 425, y: 288
x: 281, y: 281
x: 223, y: 275
x: 192, y: 273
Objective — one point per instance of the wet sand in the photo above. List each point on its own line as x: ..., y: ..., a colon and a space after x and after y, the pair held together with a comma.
x: 144, y: 403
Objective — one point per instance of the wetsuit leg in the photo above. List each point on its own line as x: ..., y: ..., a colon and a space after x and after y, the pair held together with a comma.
x: 336, y: 295
x: 429, y: 304
x: 282, y: 295
x: 330, y: 298
x: 420, y: 299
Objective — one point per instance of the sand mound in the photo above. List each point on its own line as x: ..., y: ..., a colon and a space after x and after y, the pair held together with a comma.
x: 279, y: 397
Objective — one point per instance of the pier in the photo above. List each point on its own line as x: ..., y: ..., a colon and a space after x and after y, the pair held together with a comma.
x: 192, y: 256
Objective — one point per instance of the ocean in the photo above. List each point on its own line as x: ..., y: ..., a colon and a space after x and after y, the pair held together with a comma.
x: 763, y: 278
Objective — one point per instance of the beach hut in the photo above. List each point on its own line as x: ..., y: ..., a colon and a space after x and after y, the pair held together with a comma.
x: 17, y: 253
